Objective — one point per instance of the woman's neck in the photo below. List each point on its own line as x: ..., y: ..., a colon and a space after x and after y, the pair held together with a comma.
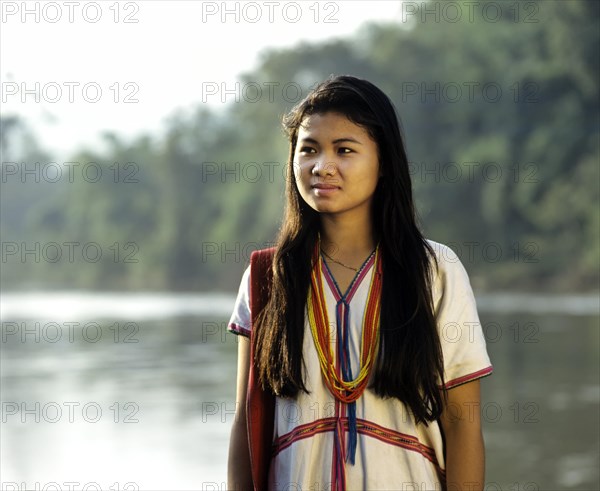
x: 347, y: 237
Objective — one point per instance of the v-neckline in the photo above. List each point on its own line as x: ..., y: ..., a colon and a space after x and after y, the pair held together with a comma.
x: 354, y: 284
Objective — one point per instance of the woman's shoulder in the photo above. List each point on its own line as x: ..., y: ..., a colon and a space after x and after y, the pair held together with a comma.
x: 444, y: 255
x: 447, y: 270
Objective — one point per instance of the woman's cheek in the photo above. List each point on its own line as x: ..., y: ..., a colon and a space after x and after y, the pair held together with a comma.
x: 300, y: 171
x: 295, y: 170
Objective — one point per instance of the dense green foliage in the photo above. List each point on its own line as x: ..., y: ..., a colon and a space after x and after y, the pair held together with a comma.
x: 502, y: 129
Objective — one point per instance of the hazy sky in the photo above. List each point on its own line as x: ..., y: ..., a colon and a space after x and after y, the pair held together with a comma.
x: 73, y: 69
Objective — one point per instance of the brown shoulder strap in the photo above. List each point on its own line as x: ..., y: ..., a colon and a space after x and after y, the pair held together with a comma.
x: 260, y: 404
x: 260, y: 279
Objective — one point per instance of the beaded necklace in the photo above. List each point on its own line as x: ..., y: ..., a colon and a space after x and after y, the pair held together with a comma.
x: 343, y: 388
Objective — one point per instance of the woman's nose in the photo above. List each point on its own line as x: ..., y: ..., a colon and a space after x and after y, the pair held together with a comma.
x: 324, y: 167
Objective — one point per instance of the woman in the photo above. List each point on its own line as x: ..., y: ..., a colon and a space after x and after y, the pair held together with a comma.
x: 368, y: 337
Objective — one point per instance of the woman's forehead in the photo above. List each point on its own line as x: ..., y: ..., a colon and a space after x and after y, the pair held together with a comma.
x: 329, y: 122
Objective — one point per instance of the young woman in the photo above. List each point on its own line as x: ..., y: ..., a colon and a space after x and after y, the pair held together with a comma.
x: 368, y: 337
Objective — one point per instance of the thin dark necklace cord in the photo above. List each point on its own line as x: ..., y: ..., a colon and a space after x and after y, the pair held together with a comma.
x: 341, y: 263
x: 338, y: 262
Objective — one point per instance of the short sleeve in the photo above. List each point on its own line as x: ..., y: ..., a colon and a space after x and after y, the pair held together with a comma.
x: 240, y: 322
x: 461, y: 336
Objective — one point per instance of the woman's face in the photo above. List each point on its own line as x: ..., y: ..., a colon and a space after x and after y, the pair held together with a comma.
x: 336, y: 164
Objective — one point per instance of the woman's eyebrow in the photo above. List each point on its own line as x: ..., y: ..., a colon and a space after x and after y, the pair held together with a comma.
x: 348, y: 139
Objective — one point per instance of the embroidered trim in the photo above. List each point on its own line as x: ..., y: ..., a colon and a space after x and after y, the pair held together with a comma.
x: 484, y: 372
x: 364, y: 427
x: 237, y: 329
x: 356, y: 281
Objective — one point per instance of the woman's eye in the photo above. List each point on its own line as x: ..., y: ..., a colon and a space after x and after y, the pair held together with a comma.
x: 345, y: 150
x: 306, y: 149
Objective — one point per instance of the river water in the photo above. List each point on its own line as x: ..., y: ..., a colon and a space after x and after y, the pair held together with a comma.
x: 126, y: 392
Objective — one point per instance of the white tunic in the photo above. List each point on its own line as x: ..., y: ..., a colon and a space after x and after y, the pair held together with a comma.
x: 393, y: 452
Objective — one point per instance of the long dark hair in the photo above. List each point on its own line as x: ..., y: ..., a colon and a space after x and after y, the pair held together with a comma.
x: 409, y: 363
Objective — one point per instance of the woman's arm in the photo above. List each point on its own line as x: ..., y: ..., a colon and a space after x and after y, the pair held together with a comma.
x: 465, y: 453
x: 239, y: 476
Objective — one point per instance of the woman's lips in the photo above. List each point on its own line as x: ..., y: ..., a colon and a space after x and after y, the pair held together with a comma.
x: 322, y: 189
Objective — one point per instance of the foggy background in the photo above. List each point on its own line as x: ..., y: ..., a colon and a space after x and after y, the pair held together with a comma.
x: 143, y: 161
